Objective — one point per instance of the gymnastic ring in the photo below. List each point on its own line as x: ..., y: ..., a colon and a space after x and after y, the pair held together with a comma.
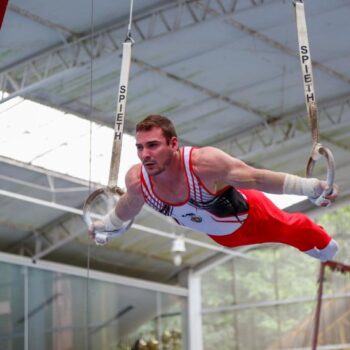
x: 88, y: 215
x: 318, y: 151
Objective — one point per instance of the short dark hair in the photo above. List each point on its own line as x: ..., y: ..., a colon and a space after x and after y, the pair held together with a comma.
x: 158, y: 121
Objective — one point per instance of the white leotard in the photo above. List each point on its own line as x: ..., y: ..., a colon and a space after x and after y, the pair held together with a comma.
x: 196, y: 211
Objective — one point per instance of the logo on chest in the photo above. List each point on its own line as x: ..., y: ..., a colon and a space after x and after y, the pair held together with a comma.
x: 195, y: 218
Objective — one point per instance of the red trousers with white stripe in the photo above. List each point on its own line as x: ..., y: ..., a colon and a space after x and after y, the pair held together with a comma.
x: 266, y: 223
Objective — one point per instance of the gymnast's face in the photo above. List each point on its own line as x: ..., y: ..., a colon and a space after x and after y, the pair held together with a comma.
x: 154, y: 151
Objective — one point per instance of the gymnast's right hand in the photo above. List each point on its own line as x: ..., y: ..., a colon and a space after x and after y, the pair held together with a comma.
x: 108, y: 223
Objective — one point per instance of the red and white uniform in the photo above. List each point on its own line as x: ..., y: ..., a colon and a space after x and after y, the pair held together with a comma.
x: 234, y: 217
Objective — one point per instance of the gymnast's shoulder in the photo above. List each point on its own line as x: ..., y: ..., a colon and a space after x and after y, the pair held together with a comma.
x: 133, y: 179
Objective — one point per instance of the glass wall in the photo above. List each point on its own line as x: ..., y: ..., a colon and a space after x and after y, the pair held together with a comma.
x: 42, y: 310
x: 270, y: 302
x: 253, y: 303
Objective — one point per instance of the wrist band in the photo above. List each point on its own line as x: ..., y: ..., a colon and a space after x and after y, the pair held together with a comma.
x: 309, y: 187
x: 112, y: 221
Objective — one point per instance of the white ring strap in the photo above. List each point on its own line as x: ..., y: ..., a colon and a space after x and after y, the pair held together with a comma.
x: 120, y: 115
x: 304, y: 54
x: 306, y: 66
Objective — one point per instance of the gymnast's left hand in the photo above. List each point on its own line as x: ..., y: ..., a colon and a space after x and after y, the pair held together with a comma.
x: 333, y: 193
x: 325, y: 201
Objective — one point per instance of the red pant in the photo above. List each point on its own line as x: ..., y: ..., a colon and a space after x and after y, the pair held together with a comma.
x: 266, y: 223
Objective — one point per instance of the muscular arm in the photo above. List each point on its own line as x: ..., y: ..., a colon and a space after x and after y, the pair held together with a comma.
x: 128, y: 206
x: 130, y: 203
x: 214, y: 165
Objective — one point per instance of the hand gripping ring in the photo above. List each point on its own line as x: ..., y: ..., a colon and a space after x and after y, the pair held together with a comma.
x: 103, y: 237
x: 317, y: 151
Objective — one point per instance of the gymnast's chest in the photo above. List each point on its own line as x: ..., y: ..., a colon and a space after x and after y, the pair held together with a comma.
x: 176, y: 193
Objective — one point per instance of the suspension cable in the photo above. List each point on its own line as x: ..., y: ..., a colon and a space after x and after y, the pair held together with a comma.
x: 87, y: 295
x: 128, y: 35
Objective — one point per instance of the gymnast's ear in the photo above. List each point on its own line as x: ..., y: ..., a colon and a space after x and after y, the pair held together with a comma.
x: 174, y: 143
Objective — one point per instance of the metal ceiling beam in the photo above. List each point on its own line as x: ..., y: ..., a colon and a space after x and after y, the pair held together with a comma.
x: 194, y: 242
x: 258, y: 137
x: 207, y: 265
x: 20, y: 87
x: 47, y: 172
x: 35, y: 18
x: 262, y: 304
x: 93, y: 274
x: 277, y: 45
x: 41, y: 202
x: 265, y: 117
x: 79, y: 185
x: 36, y: 71
x: 50, y: 188
x: 88, y: 112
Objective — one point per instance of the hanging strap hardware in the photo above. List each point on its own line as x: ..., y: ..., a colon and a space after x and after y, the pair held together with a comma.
x: 112, y: 189
x: 318, y: 151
